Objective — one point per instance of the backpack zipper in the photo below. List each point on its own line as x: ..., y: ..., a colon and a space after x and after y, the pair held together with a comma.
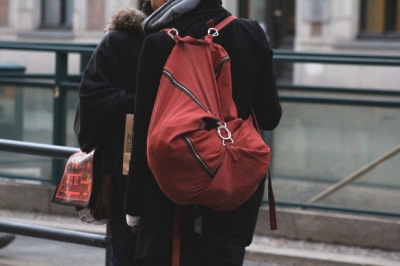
x: 184, y: 90
x: 197, y: 157
x: 217, y: 69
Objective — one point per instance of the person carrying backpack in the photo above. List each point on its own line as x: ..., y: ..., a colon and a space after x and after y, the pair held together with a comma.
x: 207, y: 236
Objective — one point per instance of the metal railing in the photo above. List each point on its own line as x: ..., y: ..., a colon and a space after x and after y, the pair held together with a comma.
x: 56, y: 234
x: 61, y: 81
x: 341, y: 98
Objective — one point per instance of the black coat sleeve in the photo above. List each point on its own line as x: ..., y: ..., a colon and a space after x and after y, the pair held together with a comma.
x: 152, y: 59
x: 105, y: 95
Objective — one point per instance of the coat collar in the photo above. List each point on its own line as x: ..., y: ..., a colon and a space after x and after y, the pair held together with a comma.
x: 168, y: 12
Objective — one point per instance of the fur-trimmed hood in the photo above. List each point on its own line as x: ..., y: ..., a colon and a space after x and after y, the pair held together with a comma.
x: 128, y: 18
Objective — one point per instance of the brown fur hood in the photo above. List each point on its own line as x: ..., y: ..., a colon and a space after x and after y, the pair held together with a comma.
x: 127, y: 18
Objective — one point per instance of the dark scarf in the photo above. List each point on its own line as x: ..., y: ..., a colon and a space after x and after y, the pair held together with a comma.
x: 168, y: 12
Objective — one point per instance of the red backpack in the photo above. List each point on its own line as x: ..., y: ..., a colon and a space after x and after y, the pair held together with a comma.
x: 198, y: 150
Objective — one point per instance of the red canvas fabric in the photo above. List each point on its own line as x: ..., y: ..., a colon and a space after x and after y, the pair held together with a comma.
x: 188, y: 155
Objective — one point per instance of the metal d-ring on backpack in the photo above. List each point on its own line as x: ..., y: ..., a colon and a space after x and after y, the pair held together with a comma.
x: 199, y: 151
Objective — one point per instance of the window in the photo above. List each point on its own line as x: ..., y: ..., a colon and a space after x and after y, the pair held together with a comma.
x: 57, y: 14
x: 380, y: 19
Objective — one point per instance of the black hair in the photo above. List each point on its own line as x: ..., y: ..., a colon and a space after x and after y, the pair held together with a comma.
x: 146, y: 8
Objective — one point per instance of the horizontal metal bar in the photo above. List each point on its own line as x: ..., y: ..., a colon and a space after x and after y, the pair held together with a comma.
x: 364, y: 91
x: 70, y: 85
x: 46, y: 47
x: 292, y: 98
x: 324, y: 180
x: 35, y: 76
x: 12, y: 78
x: 19, y: 82
x: 332, y: 208
x: 339, y: 101
x: 56, y: 234
x: 336, y: 60
x: 90, y: 45
x: 347, y: 55
x: 37, y: 149
x: 26, y: 76
x: 279, y: 55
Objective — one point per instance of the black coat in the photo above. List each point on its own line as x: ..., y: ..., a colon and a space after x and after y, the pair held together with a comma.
x: 107, y: 88
x: 106, y: 94
x: 253, y: 88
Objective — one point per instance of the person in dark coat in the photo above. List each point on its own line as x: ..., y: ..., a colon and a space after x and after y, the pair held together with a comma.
x: 218, y: 238
x: 106, y: 95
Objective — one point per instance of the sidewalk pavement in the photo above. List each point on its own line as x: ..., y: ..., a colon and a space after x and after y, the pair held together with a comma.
x: 299, y: 253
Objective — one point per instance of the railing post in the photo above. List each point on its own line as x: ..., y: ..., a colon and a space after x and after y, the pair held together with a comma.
x: 85, y: 57
x: 59, y: 115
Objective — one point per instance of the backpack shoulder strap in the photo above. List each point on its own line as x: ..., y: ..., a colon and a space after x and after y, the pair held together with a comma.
x: 225, y: 22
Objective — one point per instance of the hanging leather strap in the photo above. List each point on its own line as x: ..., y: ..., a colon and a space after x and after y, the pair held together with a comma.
x: 271, y: 199
x: 271, y: 202
x: 176, y: 240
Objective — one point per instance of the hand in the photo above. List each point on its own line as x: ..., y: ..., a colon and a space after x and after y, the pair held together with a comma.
x: 133, y: 222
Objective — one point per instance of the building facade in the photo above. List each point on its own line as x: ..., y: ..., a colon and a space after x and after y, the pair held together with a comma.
x: 354, y: 26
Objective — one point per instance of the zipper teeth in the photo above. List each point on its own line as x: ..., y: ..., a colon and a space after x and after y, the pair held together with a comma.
x: 184, y: 89
x: 219, y: 65
x: 197, y: 156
